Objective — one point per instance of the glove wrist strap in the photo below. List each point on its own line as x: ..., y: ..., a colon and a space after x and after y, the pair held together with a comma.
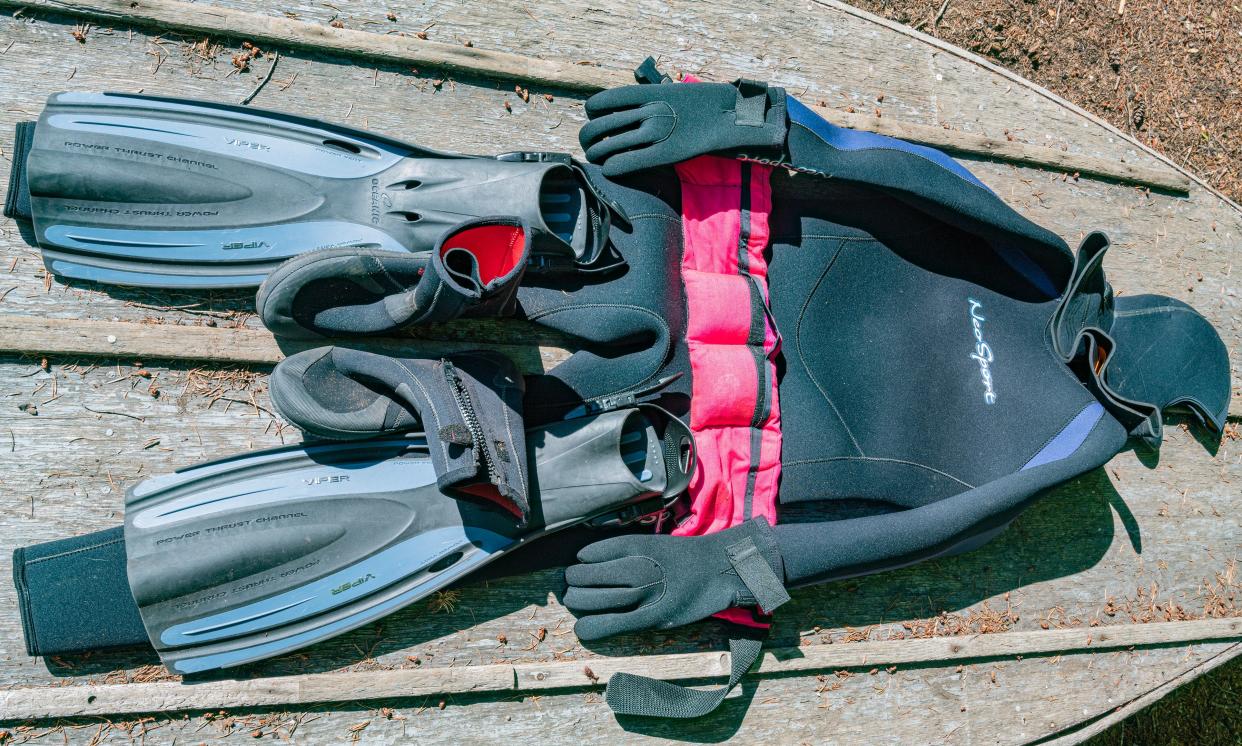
x: 628, y: 694
x: 757, y: 575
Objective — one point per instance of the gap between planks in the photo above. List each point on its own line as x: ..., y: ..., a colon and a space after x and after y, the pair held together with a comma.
x: 36, y: 703
x: 198, y: 18
x: 28, y: 335
x: 130, y: 339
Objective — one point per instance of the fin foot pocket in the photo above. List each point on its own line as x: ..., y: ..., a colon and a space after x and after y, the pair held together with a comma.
x: 260, y: 187
x: 474, y: 271
x: 482, y: 254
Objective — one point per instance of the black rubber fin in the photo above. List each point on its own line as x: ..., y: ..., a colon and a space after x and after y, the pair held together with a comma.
x: 178, y: 193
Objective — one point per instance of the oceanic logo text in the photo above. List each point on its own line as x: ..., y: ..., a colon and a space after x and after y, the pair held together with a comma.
x: 379, y: 201
x: 982, y: 352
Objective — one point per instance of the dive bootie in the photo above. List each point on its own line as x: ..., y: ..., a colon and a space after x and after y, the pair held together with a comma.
x: 164, y: 192
x: 469, y: 404
x: 474, y: 270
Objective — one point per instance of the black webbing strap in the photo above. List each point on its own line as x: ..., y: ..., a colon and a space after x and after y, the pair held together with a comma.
x: 629, y: 694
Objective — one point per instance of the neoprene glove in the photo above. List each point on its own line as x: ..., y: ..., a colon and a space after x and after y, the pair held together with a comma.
x: 631, y: 583
x: 642, y: 126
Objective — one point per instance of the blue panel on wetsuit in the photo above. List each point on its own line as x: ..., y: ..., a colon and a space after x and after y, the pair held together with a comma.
x: 848, y: 139
x: 1070, y: 438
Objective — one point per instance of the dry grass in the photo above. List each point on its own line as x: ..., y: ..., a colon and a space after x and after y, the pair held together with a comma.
x: 1164, y: 72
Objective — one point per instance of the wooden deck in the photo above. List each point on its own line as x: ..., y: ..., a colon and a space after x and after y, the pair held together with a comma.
x: 1145, y: 539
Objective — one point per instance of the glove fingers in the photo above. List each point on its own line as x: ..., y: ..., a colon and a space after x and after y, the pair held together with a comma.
x: 615, y: 99
x: 623, y: 572
x: 598, y: 133
x: 585, y: 600
x: 629, y: 162
x: 599, y: 626
x: 629, y: 145
x: 612, y: 548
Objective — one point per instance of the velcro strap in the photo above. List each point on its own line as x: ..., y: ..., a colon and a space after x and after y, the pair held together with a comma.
x: 752, y: 103
x: 628, y: 694
x: 757, y: 575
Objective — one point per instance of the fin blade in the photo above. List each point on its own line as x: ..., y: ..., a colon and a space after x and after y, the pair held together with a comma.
x: 247, y: 557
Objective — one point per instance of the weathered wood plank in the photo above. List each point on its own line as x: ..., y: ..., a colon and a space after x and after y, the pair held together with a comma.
x: 1002, y: 702
x: 1166, y: 528
x: 124, y: 699
x: 1077, y: 734
x: 197, y: 18
x: 201, y: 18
x: 816, y: 49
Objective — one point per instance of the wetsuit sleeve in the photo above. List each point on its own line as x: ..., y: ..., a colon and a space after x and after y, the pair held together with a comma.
x: 931, y: 182
x: 17, y: 199
x: 73, y: 595
x: 829, y: 550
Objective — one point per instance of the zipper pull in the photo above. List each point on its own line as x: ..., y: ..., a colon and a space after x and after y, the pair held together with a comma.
x: 618, y: 401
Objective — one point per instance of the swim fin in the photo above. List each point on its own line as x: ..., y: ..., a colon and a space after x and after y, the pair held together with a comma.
x: 254, y: 556
x: 162, y: 192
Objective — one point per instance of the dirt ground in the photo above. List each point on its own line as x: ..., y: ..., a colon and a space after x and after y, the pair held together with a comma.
x: 1168, y: 72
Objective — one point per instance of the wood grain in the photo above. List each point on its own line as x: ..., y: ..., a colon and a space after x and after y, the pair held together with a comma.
x: 123, y: 699
x: 1080, y: 733
x: 241, y: 346
x: 199, y: 18
x: 1148, y: 533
